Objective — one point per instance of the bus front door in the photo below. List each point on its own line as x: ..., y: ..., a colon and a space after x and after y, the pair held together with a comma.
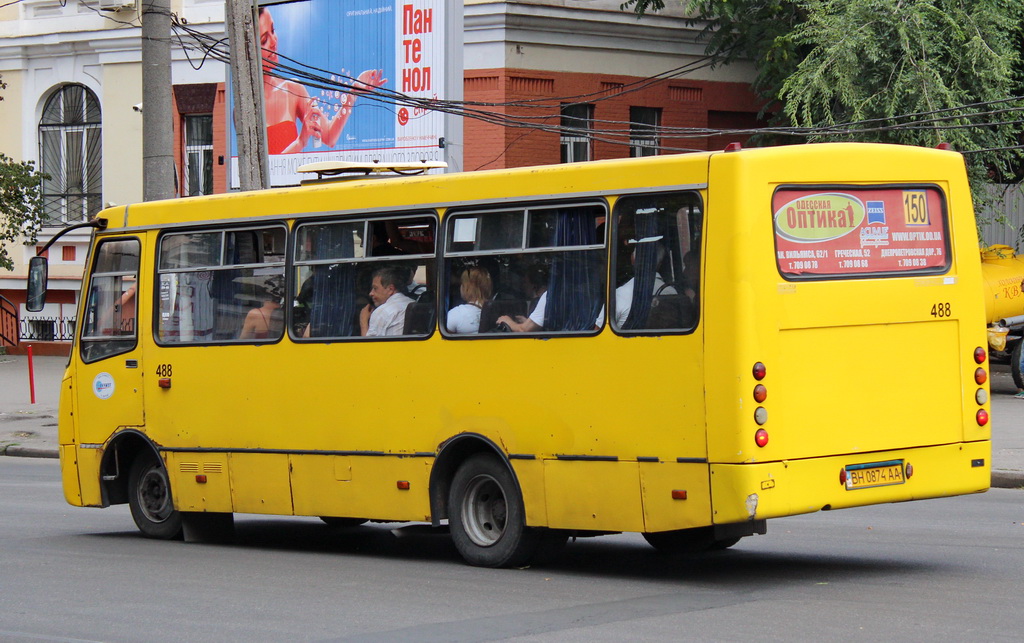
x: 109, y: 370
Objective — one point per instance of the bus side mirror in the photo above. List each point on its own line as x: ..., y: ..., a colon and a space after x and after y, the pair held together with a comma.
x: 36, y: 298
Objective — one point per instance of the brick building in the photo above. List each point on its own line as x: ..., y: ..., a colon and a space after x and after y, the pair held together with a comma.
x: 623, y: 85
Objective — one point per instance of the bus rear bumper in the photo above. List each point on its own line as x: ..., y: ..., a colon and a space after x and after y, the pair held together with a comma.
x: 774, y: 489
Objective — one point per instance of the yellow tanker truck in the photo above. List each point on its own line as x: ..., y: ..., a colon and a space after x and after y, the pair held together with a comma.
x: 1003, y: 271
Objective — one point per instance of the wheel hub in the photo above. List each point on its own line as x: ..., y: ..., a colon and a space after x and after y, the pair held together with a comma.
x: 484, y: 511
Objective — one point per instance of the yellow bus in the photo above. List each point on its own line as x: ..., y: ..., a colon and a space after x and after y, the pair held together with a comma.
x: 683, y: 346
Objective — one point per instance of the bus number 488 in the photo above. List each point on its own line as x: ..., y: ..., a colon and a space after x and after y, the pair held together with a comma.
x: 941, y: 310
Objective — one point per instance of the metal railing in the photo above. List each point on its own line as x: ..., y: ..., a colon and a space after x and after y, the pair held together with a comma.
x: 8, y: 322
x: 47, y: 329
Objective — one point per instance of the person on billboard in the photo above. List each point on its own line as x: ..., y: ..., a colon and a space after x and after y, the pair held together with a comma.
x: 286, y: 101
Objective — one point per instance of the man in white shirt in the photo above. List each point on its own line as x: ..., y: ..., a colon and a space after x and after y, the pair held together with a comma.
x: 386, y: 315
x: 624, y: 293
x: 624, y: 297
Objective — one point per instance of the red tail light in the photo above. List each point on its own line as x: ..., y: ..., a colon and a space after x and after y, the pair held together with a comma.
x: 760, y: 393
x: 982, y: 417
x: 980, y: 376
x: 979, y: 355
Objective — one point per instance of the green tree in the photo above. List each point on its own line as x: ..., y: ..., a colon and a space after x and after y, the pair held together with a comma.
x: 21, y: 202
x: 755, y: 30
x: 916, y: 72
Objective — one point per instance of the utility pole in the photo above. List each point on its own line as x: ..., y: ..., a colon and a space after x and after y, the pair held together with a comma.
x: 157, y: 125
x: 247, y: 94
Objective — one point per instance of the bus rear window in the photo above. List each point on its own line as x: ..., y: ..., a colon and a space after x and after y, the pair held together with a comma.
x: 857, y: 231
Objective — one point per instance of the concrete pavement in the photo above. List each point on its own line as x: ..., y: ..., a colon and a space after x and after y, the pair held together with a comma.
x: 30, y: 430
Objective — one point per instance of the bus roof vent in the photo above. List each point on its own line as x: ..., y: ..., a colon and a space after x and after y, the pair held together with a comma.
x: 335, y: 170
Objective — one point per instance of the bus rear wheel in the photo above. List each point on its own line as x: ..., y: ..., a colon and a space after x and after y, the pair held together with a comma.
x: 486, y: 515
x: 149, y: 497
x: 688, y: 541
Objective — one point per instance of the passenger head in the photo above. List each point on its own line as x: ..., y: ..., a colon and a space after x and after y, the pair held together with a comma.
x: 386, y: 282
x: 691, y: 267
x: 659, y: 249
x: 537, y: 279
x: 476, y: 285
x: 273, y: 289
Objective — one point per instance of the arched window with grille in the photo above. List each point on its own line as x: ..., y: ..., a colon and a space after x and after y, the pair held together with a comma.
x: 70, y: 153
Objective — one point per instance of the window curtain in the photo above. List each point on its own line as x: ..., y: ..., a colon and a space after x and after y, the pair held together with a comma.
x: 645, y: 267
x: 575, y: 284
x: 333, y: 305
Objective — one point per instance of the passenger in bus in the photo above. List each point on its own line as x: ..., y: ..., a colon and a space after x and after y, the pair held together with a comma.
x: 535, y: 283
x: 475, y: 289
x: 534, y: 323
x: 265, y: 322
x: 624, y: 293
x: 124, y: 311
x: 414, y: 289
x: 385, y: 315
x: 387, y: 240
x: 691, y: 274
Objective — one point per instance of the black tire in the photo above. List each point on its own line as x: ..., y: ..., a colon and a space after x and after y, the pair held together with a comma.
x: 486, y: 515
x: 721, y: 545
x: 1018, y: 377
x: 331, y: 521
x: 688, y: 541
x: 149, y: 496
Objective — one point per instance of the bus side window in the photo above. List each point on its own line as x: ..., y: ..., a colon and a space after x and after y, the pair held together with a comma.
x: 110, y: 312
x: 221, y: 285
x: 657, y: 262
x: 335, y: 266
x: 537, y: 269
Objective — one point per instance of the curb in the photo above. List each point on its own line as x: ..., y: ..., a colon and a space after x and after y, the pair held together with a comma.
x: 1008, y: 479
x: 29, y: 452
x: 1000, y: 479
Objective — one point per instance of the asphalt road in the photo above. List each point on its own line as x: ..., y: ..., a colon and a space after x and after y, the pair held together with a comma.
x: 947, y: 569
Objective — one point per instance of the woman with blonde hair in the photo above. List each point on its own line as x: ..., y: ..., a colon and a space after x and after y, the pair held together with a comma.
x: 476, y: 288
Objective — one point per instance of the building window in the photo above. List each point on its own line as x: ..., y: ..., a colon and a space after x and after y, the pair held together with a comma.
x: 69, y: 152
x: 198, y: 162
x: 68, y: 253
x: 577, y: 129
x: 643, y: 131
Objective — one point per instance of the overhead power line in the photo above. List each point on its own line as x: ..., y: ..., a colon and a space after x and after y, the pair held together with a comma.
x: 543, y: 114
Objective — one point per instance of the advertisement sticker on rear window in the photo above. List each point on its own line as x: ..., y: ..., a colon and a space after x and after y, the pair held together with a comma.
x: 859, y: 231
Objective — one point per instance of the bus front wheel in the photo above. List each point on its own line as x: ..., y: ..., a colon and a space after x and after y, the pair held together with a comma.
x: 149, y: 497
x: 486, y: 515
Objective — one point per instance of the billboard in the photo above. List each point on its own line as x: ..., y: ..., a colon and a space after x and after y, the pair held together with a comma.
x: 392, y: 51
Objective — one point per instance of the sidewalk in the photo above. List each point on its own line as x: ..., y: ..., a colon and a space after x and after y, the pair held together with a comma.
x: 30, y: 430
x: 26, y: 429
